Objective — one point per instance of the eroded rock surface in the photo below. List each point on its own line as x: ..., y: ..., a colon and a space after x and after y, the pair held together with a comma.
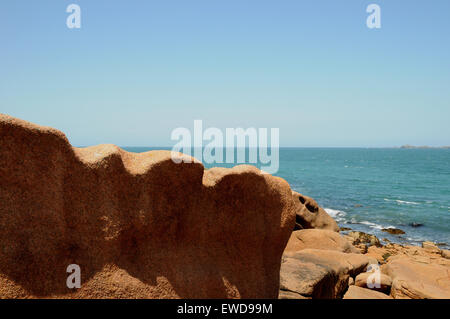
x: 319, y: 273
x: 310, y: 215
x: 138, y: 225
x: 319, y: 239
x: 418, y: 277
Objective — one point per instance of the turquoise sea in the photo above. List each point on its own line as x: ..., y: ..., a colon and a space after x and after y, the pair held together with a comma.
x: 374, y: 188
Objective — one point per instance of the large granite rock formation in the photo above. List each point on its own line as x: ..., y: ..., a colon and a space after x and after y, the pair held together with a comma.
x: 138, y: 225
x: 310, y: 215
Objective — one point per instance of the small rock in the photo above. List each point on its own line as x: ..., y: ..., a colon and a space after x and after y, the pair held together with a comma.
x: 386, y: 256
x: 363, y: 238
x: 351, y: 281
x: 415, y: 224
x: 344, y: 228
x: 355, y: 292
x: 445, y: 253
x: 393, y: 231
x: 362, y: 248
x: 431, y: 247
x: 365, y: 278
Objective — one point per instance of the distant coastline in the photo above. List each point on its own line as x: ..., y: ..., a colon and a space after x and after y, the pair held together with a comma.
x: 424, y: 147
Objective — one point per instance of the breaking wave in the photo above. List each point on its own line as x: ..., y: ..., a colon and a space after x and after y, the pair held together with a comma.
x: 338, y: 215
x: 401, y: 201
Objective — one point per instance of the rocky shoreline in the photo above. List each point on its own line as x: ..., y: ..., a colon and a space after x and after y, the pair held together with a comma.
x: 143, y: 226
x: 322, y: 263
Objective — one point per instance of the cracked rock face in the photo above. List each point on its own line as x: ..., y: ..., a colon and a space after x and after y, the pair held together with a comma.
x: 138, y: 225
x: 318, y: 273
x: 418, y: 277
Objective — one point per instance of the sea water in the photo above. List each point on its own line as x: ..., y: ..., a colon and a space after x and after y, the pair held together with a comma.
x: 368, y: 189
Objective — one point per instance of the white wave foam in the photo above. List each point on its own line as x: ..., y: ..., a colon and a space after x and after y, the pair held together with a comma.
x: 405, y: 202
x: 334, y: 212
x: 401, y: 201
x: 371, y: 225
x: 338, y: 215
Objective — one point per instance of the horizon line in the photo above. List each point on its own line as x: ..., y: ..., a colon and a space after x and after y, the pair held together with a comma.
x: 281, y: 147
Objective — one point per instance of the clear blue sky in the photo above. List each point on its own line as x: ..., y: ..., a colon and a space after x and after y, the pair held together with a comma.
x: 138, y: 69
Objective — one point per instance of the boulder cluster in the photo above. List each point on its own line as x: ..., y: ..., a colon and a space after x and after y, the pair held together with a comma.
x: 320, y: 263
